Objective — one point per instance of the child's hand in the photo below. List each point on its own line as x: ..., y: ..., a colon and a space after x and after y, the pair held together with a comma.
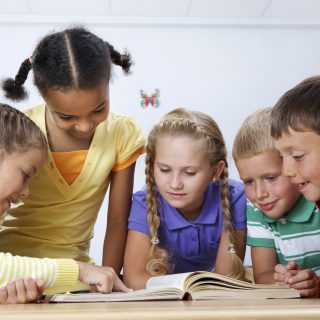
x: 100, y: 279
x: 21, y: 291
x: 307, y: 282
x: 282, y: 272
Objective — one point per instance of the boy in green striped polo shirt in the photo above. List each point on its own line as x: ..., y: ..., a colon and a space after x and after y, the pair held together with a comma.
x: 295, y: 128
x: 283, y: 227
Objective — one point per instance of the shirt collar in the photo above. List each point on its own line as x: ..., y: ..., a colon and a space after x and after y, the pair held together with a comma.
x: 208, y: 215
x: 301, y: 212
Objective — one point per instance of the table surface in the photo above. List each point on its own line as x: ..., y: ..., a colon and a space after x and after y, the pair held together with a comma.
x: 215, y: 309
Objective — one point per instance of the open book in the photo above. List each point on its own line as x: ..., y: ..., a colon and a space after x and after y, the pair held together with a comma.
x: 199, y: 285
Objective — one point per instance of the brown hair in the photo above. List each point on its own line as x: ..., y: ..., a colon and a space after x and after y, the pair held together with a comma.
x: 298, y: 109
x: 18, y: 132
x: 182, y: 122
x: 254, y: 135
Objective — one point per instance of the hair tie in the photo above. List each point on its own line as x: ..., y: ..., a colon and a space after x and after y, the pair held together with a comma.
x: 30, y: 60
x: 155, y: 241
x: 231, y: 248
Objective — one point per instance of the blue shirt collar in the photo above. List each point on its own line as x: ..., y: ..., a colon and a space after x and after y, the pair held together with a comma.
x: 208, y: 215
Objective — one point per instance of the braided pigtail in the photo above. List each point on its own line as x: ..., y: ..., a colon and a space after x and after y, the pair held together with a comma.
x: 238, y: 268
x: 14, y: 88
x: 123, y: 60
x: 158, y: 263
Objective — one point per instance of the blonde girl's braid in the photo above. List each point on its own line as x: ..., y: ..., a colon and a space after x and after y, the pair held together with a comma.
x: 238, y: 268
x: 158, y: 263
x: 210, y: 131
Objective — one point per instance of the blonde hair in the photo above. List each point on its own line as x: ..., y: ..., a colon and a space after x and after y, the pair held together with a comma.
x: 254, y: 135
x: 197, y: 125
x: 18, y: 133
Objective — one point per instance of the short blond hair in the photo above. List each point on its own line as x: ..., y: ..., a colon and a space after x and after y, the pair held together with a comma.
x: 254, y: 136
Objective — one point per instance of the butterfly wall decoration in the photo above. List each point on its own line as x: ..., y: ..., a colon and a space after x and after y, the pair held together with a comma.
x: 151, y: 100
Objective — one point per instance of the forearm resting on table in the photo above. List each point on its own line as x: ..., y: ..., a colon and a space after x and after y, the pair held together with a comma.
x: 51, y: 271
x: 136, y: 280
x: 266, y: 277
x: 114, y: 246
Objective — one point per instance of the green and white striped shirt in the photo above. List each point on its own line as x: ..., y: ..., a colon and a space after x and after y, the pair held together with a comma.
x: 294, y: 236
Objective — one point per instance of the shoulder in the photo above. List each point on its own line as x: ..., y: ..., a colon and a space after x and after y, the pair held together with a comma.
x: 125, y: 130
x: 254, y: 215
x: 35, y: 111
x: 138, y: 213
x: 140, y: 196
x: 236, y: 191
x: 123, y: 122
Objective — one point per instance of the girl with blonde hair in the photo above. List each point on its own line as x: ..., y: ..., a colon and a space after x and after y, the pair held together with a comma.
x: 190, y: 216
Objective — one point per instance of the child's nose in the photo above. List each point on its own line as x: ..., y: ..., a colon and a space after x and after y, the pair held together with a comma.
x: 261, y: 191
x: 288, y: 168
x: 176, y: 182
x: 24, y: 192
x: 84, y: 126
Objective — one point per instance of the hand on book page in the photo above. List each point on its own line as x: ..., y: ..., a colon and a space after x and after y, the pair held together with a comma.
x: 199, y: 285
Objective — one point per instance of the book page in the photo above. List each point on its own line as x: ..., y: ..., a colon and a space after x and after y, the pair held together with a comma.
x: 137, y: 295
x: 170, y: 280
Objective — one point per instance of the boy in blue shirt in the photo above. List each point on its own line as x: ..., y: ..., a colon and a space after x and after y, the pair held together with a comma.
x: 283, y: 227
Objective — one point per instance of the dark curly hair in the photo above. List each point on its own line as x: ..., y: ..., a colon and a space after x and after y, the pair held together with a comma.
x: 72, y: 59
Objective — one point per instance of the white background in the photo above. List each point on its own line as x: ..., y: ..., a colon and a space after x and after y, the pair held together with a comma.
x: 226, y: 69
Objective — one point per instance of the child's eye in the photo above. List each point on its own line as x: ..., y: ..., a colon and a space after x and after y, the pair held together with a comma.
x: 271, y: 178
x: 190, y: 173
x: 65, y: 118
x: 26, y: 176
x: 248, y: 182
x: 297, y: 157
x: 164, y: 170
x: 99, y: 110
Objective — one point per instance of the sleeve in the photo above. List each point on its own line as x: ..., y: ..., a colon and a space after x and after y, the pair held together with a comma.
x: 52, y: 271
x: 130, y: 143
x: 238, y: 205
x: 259, y: 233
x: 138, y: 219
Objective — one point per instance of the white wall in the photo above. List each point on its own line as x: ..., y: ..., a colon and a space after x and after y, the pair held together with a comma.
x: 225, y: 71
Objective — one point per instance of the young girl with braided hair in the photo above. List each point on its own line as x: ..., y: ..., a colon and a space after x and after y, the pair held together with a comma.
x: 90, y: 149
x: 23, y: 150
x: 190, y: 216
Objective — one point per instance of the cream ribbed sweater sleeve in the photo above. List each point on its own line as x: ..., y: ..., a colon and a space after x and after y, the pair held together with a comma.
x: 54, y: 272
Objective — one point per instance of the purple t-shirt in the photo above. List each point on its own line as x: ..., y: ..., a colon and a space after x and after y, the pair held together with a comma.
x: 192, y: 245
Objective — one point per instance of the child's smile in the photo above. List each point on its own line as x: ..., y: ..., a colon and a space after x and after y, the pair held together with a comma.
x: 265, y: 187
x: 301, y: 157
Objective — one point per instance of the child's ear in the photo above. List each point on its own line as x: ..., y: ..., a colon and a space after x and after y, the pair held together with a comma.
x: 218, y: 168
